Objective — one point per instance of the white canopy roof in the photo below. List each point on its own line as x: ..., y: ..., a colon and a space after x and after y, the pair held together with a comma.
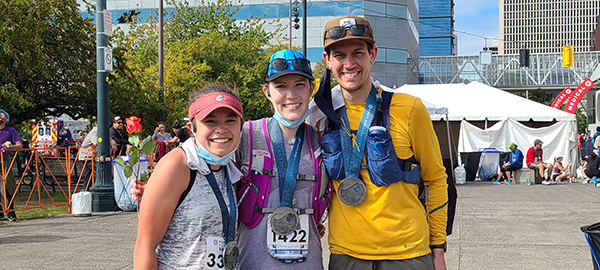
x: 434, y: 110
x: 477, y: 101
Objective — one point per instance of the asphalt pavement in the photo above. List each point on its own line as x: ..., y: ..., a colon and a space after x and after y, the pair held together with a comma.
x: 496, y: 227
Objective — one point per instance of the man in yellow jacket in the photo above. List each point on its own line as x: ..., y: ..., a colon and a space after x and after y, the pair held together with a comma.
x: 388, y: 227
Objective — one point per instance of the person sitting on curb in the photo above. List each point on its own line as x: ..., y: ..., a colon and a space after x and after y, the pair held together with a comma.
x: 535, y: 161
x: 559, y: 172
x: 592, y: 165
x: 515, y: 162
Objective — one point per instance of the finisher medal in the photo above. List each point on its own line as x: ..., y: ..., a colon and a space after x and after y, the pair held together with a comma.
x: 230, y: 255
x: 352, y: 191
x: 284, y: 221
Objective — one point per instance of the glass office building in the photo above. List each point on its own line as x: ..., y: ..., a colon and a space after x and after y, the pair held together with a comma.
x: 544, y: 26
x: 436, y: 28
x: 394, y: 23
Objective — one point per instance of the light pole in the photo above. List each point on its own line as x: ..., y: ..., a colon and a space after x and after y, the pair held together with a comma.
x: 103, y: 198
x: 304, y: 14
x: 161, y: 81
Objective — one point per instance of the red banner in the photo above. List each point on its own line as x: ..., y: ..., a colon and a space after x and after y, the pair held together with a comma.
x: 577, y: 95
x: 560, y: 99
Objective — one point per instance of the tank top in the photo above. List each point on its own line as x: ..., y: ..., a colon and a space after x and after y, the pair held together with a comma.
x: 198, y: 217
x: 556, y: 170
x: 253, y: 242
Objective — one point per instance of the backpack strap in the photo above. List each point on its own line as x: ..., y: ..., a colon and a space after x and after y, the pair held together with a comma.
x: 189, y: 187
x: 382, y: 117
x: 250, y: 150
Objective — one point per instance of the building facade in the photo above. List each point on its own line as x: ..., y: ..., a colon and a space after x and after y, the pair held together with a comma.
x: 395, y: 24
x: 544, y: 26
x: 436, y: 28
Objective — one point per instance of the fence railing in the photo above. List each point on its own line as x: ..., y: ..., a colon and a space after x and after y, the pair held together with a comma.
x: 42, y: 168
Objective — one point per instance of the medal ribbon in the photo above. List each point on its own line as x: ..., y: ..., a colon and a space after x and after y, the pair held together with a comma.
x: 228, y: 217
x: 353, y: 158
x: 287, y: 175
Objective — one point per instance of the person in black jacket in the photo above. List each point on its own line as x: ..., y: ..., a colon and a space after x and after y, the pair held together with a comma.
x: 119, y: 136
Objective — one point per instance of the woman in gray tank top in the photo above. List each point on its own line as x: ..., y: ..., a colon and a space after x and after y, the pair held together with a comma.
x: 289, y: 85
x: 188, y: 218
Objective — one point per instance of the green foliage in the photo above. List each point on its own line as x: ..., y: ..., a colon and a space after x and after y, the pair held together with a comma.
x: 202, y: 46
x: 119, y: 161
x: 546, y: 99
x: 581, y: 120
x: 539, y: 97
x: 47, y: 59
x: 319, y: 69
x: 148, y: 145
x: 127, y: 171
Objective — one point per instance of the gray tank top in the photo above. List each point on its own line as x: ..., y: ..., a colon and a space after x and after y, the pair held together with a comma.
x: 184, y: 245
x: 253, y: 242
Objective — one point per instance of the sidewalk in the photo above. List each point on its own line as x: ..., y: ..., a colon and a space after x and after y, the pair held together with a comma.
x: 522, y: 227
x: 496, y: 227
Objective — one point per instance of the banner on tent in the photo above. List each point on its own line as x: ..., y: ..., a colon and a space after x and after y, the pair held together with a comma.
x: 577, y: 95
x: 560, y: 99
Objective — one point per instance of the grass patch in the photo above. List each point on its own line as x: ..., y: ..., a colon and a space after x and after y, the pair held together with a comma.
x: 43, y: 212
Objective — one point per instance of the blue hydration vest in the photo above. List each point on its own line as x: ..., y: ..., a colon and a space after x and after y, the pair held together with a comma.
x: 385, y: 168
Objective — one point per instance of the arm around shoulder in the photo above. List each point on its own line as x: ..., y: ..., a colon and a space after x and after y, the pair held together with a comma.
x: 168, y: 181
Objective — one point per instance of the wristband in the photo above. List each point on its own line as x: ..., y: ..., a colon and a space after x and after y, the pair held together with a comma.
x: 443, y: 246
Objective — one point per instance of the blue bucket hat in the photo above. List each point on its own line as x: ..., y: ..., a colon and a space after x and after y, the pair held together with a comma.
x: 7, y: 116
x: 287, y: 62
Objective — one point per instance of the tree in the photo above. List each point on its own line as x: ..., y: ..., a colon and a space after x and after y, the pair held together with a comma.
x: 581, y: 120
x: 203, y: 46
x: 539, y: 97
x: 47, y: 60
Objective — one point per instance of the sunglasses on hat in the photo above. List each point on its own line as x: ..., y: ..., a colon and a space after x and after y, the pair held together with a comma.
x: 357, y: 30
x: 280, y: 64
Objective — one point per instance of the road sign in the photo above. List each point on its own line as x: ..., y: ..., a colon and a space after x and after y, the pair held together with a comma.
x: 107, y: 23
x: 108, y: 59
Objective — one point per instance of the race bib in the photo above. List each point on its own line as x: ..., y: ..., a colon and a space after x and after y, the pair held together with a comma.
x: 289, y: 248
x: 215, y: 246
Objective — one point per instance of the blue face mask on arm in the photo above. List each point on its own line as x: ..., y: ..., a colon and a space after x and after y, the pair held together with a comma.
x: 288, y: 123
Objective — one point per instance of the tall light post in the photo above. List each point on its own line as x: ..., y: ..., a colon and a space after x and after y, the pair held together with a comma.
x: 304, y: 14
x: 103, y: 199
x: 161, y: 81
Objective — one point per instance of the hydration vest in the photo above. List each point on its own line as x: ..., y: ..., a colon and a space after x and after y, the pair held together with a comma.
x: 253, y: 191
x: 384, y: 166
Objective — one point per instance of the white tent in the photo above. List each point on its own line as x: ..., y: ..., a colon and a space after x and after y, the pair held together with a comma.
x: 436, y: 113
x: 479, y: 102
x: 558, y: 138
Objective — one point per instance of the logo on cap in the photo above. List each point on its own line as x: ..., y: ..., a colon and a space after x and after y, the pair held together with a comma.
x: 347, y: 22
x: 219, y: 98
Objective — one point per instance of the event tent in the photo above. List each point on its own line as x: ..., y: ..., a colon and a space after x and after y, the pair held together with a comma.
x: 476, y: 102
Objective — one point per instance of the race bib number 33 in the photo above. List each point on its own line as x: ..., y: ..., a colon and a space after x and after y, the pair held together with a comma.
x: 215, y: 247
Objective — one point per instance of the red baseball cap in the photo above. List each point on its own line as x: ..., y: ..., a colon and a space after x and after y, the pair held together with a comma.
x: 206, y: 104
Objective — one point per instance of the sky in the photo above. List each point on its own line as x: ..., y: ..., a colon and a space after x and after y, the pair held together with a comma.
x: 478, y: 17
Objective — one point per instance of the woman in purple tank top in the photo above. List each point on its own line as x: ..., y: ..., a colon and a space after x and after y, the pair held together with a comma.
x: 559, y: 173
